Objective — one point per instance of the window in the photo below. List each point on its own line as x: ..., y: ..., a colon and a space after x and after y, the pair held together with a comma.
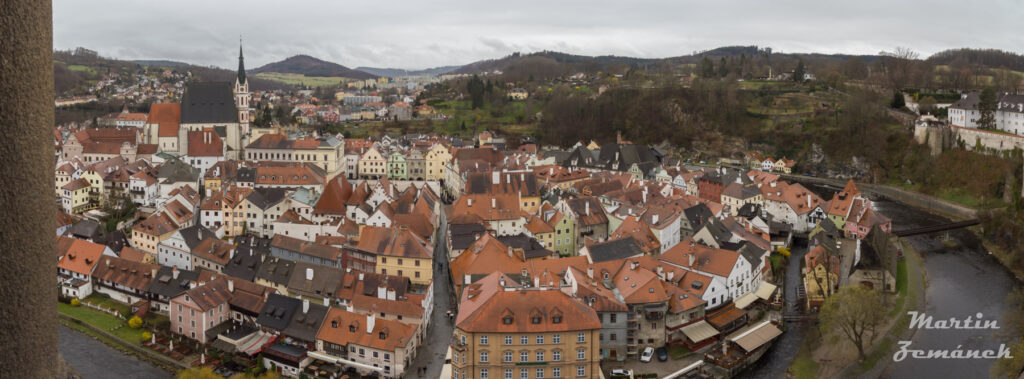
x: 612, y: 336
x: 540, y: 356
x: 508, y: 356
x: 483, y: 373
x: 556, y: 356
x: 508, y: 340
x: 540, y: 340
x: 483, y: 340
x: 581, y: 354
x: 524, y: 356
x: 540, y: 373
x: 581, y: 338
x: 387, y: 356
x: 581, y: 370
x: 536, y: 319
x: 556, y: 372
x: 508, y: 373
x: 524, y: 373
x: 483, y: 356
x: 524, y: 340
x: 611, y: 318
x: 556, y: 339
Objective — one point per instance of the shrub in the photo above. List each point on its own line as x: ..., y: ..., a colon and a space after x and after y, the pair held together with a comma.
x: 135, y: 322
x: 146, y: 336
x: 75, y: 302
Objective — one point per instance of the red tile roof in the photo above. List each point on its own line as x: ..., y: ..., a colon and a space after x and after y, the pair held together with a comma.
x: 167, y: 116
x: 81, y: 256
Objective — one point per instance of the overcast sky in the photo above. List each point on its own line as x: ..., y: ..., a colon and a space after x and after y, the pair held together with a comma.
x: 421, y: 34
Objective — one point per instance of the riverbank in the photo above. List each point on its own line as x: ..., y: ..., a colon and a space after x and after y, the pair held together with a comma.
x: 93, y: 356
x: 84, y: 325
x: 1003, y: 258
x: 820, y: 357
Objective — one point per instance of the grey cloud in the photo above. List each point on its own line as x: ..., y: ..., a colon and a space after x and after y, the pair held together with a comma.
x: 419, y: 34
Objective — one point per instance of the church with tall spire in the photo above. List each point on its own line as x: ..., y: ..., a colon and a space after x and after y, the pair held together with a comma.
x: 243, y: 97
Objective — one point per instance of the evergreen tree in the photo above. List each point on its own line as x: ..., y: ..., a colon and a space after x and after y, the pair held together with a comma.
x: 707, y: 69
x: 897, y: 100
x: 723, y: 68
x: 476, y: 88
x: 987, y: 106
x: 798, y: 73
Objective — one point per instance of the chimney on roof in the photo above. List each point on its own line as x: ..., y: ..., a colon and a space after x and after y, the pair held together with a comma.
x: 654, y: 219
x: 495, y: 177
x: 536, y: 282
x: 309, y: 273
x: 510, y: 251
x: 494, y: 203
x: 691, y: 257
x: 501, y: 282
x: 661, y: 271
x: 370, y: 321
x: 586, y: 208
x: 808, y: 201
x: 154, y: 273
x: 360, y: 276
x: 633, y: 265
x: 305, y: 306
x: 590, y: 272
x: 231, y: 286
x: 174, y: 272
x: 671, y: 275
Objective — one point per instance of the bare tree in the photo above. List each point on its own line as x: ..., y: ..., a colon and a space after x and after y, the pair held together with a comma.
x: 899, y: 67
x: 857, y: 312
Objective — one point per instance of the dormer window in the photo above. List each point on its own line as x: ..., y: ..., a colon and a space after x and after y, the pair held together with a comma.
x: 536, y: 319
x: 507, y: 320
x: 382, y: 335
x: 556, y: 320
x: 334, y: 324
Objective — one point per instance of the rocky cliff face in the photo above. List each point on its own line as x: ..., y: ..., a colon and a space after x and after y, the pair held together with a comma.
x: 817, y: 164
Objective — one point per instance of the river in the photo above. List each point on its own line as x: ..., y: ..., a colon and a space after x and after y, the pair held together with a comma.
x: 95, y: 360
x: 962, y: 281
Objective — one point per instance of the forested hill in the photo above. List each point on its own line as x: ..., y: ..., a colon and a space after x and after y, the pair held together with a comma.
x: 991, y: 58
x: 310, y: 66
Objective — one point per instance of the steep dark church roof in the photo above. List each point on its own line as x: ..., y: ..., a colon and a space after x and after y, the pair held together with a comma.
x: 241, y: 65
x: 207, y: 103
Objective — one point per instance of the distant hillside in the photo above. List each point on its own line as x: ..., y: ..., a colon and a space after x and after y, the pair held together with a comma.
x: 567, y: 62
x: 74, y: 70
x: 161, y: 63
x: 547, y: 63
x: 991, y: 58
x: 309, y: 66
x: 397, y: 72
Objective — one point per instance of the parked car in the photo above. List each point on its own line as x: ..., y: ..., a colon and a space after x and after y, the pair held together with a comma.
x: 622, y: 372
x: 648, y: 353
x: 662, y: 353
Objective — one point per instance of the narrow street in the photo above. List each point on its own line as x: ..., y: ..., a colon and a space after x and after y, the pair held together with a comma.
x: 435, y: 343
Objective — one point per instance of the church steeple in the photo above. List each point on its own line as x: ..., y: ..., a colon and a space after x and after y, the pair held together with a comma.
x: 241, y: 64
